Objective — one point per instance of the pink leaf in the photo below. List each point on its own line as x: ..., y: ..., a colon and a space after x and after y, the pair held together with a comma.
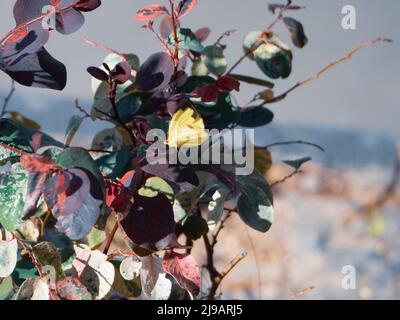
x: 185, y: 270
x: 151, y: 12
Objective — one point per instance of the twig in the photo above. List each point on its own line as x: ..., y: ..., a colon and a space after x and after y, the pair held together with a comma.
x: 8, y: 98
x: 253, y: 249
x: 112, y: 96
x: 329, y: 66
x: 297, y: 171
x: 81, y: 109
x: 265, y: 32
x: 225, y: 34
x: 219, y: 228
x: 161, y: 40
x: 175, y: 32
x: 111, y: 237
x: 390, y: 189
x: 302, y: 292
x: 293, y: 142
x: 11, y: 148
x: 31, y: 255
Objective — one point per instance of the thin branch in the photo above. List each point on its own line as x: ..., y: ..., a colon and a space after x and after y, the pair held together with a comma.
x: 227, y: 33
x: 265, y: 32
x: 81, y: 109
x: 315, y: 76
x: 302, y: 292
x: 233, y: 264
x: 293, y: 142
x: 11, y: 148
x: 7, y: 99
x: 117, y: 118
x: 253, y: 249
x: 175, y: 32
x: 31, y: 255
x: 297, y: 171
x: 111, y: 237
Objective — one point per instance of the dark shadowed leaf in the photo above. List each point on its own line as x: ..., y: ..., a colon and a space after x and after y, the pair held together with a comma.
x: 155, y: 72
x: 39, y: 69
x: 296, y: 29
x: 149, y: 221
x: 256, y: 117
x: 194, y: 227
x: 298, y: 163
x: 98, y: 73
x: 184, y: 7
x: 185, y: 270
x: 252, y: 80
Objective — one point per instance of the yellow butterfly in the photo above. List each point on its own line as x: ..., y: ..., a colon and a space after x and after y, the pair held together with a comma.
x: 186, y: 129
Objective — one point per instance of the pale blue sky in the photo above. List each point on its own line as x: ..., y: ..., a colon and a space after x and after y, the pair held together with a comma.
x: 362, y: 93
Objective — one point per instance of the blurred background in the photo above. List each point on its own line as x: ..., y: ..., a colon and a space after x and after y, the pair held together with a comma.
x: 344, y: 208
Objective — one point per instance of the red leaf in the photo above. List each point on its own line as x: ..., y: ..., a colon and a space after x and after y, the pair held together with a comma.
x: 226, y: 83
x: 70, y: 288
x: 208, y: 93
x: 185, y: 6
x: 117, y: 197
x: 151, y: 12
x: 185, y: 270
x: 34, y: 163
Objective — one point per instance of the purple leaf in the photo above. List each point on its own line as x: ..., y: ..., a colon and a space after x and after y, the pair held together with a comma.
x: 69, y: 21
x: 39, y: 69
x: 155, y: 72
x: 149, y: 221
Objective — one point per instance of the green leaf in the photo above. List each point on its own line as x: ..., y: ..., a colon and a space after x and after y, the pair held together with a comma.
x: 12, y: 198
x: 187, y: 40
x: 272, y: 56
x: 252, y: 80
x: 199, y: 68
x: 8, y: 257
x: 115, y: 165
x: 47, y: 254
x: 255, y: 205
x: 108, y: 140
x: 20, y: 135
x: 96, y: 238
x: 6, y: 288
x: 72, y: 128
x: 215, y: 60
x: 156, y: 185
x: 127, y: 288
x: 254, y: 117
x: 128, y: 105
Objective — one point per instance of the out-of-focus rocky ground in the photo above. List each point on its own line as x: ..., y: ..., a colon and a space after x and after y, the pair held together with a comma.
x: 321, y: 224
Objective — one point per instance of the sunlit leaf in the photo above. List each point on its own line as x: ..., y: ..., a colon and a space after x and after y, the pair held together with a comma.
x: 155, y: 284
x: 8, y: 257
x: 185, y: 270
